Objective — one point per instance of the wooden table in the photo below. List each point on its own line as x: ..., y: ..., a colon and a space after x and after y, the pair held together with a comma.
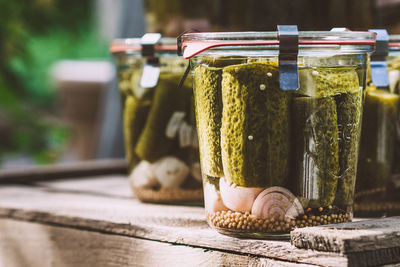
x: 94, y: 221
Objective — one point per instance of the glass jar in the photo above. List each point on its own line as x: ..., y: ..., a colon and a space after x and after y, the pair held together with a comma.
x: 158, y: 122
x: 273, y: 160
x: 378, y: 182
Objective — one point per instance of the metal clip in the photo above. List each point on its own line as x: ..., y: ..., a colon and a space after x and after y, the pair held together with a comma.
x: 288, y: 36
x: 151, y: 69
x: 379, y: 72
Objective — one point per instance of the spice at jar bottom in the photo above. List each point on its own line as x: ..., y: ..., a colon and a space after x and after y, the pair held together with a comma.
x: 245, y: 222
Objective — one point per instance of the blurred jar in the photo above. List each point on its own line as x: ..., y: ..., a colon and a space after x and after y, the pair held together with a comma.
x: 378, y: 187
x: 158, y: 120
x: 273, y: 159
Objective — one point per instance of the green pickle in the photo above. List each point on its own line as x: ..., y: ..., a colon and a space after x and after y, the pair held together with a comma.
x: 377, y: 139
x: 349, y: 111
x: 168, y: 98
x: 322, y: 82
x: 134, y: 118
x: 255, y: 131
x: 317, y: 149
x: 208, y: 105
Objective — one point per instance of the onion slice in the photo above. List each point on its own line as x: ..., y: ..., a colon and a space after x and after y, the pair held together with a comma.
x: 275, y: 202
x: 238, y: 198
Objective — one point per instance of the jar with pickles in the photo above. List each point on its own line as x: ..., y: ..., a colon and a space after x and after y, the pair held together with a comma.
x: 278, y: 123
x: 378, y: 182
x: 158, y: 120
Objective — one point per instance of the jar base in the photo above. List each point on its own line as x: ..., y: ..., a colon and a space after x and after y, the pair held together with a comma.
x: 246, y: 225
x: 169, y: 196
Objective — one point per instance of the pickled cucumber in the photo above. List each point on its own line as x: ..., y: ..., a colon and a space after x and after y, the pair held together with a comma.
x: 211, y: 180
x: 322, y: 82
x: 208, y: 105
x: 316, y: 149
x: 377, y: 139
x: 349, y: 110
x: 168, y: 98
x: 134, y: 119
x: 255, y: 131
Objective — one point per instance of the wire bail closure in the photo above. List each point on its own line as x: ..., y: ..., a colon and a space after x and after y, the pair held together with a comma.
x: 151, y: 69
x: 288, y: 36
x: 379, y: 72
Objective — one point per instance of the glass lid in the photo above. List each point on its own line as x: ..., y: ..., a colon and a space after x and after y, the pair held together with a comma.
x: 192, y: 44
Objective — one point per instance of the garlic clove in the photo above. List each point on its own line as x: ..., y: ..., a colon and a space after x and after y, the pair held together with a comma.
x: 212, y: 199
x: 170, y: 172
x: 143, y: 175
x: 238, y: 198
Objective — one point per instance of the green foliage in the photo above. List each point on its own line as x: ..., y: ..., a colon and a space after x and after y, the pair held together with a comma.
x: 34, y: 35
x: 45, y: 50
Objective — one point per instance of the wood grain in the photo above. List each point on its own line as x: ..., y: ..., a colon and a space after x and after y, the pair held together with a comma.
x: 180, y: 225
x: 370, y: 242
x: 350, y: 237
x: 36, y: 245
x: 106, y: 185
x: 103, y: 205
x: 73, y: 170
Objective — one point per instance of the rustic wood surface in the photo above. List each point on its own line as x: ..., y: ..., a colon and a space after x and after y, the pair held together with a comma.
x: 62, y: 171
x: 36, y: 245
x: 367, y: 242
x: 107, y: 185
x: 128, y: 217
x: 350, y: 237
x: 103, y: 206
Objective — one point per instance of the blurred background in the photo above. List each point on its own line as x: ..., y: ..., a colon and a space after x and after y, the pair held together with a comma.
x: 59, y: 100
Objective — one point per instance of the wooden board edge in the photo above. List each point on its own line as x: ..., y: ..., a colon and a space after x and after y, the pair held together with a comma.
x: 73, y: 247
x: 63, y: 171
x: 141, y: 233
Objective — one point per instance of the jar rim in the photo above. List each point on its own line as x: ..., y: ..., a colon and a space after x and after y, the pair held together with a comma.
x: 122, y: 45
x: 193, y: 44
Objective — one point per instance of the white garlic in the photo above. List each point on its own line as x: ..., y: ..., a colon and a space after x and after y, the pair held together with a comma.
x: 212, y: 199
x: 185, y: 135
x: 143, y: 176
x: 174, y: 123
x: 170, y: 172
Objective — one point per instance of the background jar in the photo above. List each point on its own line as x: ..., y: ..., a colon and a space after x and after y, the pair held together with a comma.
x: 378, y: 182
x: 158, y: 120
x: 273, y: 160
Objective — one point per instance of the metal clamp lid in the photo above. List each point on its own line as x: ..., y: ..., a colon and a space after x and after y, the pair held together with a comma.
x: 151, y: 69
x: 379, y: 72
x: 288, y: 36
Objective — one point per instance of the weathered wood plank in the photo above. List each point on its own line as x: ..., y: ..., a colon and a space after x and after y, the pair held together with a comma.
x: 37, y: 245
x: 107, y: 185
x: 128, y: 217
x: 73, y: 170
x: 350, y: 237
x: 368, y: 242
